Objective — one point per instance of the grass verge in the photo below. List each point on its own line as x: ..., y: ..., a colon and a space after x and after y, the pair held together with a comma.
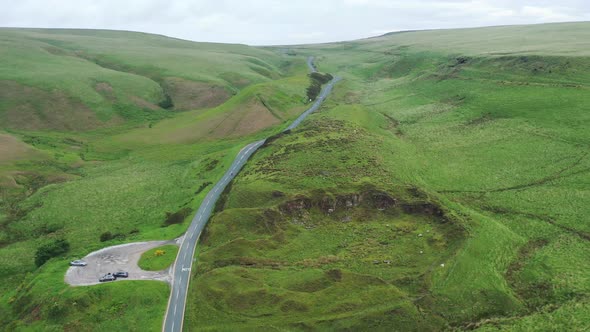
x: 159, y: 258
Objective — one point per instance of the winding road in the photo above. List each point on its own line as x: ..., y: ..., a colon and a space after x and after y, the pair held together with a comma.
x: 181, y: 271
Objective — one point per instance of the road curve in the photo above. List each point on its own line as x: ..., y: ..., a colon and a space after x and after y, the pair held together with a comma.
x: 174, y: 317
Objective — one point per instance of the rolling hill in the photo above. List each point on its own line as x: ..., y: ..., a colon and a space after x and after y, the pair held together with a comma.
x: 444, y: 185
x: 107, y: 77
x: 107, y: 131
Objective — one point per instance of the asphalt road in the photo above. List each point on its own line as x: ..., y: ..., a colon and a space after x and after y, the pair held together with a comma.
x: 316, y: 104
x: 181, y: 271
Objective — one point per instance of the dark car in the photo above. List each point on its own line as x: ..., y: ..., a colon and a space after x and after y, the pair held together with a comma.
x: 121, y: 274
x: 107, y: 277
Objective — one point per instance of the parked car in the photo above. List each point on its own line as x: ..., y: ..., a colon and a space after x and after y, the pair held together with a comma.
x: 121, y: 274
x: 107, y: 277
x: 78, y: 262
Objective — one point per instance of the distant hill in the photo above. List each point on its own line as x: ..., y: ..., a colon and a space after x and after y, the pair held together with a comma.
x: 568, y: 39
x: 85, y: 79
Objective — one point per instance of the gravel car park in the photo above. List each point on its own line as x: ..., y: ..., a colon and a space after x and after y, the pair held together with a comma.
x: 120, y: 261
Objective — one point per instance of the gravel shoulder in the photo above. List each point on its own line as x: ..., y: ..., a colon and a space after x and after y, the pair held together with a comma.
x: 122, y: 257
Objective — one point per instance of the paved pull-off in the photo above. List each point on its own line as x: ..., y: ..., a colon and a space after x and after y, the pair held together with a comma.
x: 181, y: 270
x: 123, y: 257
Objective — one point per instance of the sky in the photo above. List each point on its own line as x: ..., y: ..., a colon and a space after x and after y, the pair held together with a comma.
x: 280, y: 22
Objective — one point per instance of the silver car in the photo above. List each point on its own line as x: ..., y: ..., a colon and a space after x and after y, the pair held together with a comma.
x: 78, y: 262
x: 107, y: 277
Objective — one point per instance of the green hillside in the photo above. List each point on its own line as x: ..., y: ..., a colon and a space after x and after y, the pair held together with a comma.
x: 444, y: 186
x: 89, y: 146
x: 87, y: 79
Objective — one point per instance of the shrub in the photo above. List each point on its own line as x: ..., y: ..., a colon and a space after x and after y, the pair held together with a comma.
x: 159, y: 252
x: 106, y: 236
x: 313, y: 90
x: 166, y: 103
x: 202, y: 187
x: 321, y: 78
x: 317, y: 79
x: 176, y: 217
x: 49, y: 250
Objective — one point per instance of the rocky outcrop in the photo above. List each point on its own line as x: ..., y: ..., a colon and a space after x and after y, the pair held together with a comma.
x: 335, y: 204
x: 381, y: 200
x: 329, y: 203
x: 426, y: 208
x: 296, y: 205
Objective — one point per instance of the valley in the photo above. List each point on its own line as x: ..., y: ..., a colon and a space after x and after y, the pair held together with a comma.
x: 443, y: 185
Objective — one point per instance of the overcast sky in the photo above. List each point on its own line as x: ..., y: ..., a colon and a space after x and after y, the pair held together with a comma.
x: 264, y: 22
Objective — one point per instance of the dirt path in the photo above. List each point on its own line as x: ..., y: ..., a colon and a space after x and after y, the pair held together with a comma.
x: 122, y: 257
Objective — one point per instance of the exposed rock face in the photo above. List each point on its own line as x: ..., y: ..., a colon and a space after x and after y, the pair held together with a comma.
x: 425, y: 208
x: 297, y: 205
x: 348, y: 201
x: 329, y: 203
x: 382, y: 200
x: 372, y: 199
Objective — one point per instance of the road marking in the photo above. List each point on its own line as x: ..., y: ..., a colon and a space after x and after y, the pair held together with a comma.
x: 175, y: 306
x: 172, y: 326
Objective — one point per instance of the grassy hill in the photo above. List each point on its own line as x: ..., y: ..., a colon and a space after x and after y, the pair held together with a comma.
x: 107, y: 131
x: 87, y: 79
x: 444, y: 186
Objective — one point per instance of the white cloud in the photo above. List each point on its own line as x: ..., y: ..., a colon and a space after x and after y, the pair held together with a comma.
x: 306, y: 36
x: 546, y: 14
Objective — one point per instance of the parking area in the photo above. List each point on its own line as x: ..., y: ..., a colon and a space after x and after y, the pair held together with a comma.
x: 122, y: 257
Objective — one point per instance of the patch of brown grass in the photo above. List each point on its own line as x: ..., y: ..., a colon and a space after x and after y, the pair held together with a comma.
x: 246, y: 119
x: 7, y: 181
x: 31, y: 108
x: 190, y: 95
x: 106, y: 90
x: 11, y: 149
x: 144, y: 103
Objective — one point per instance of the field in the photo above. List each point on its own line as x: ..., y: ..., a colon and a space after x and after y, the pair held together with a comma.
x: 489, y: 133
x: 442, y: 186
x: 153, y: 122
